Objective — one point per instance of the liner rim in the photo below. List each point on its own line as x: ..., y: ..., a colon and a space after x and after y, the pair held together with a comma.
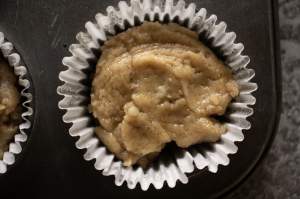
x: 16, y: 146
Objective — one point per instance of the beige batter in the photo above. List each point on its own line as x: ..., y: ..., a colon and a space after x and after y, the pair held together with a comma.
x: 155, y: 84
x: 9, y: 106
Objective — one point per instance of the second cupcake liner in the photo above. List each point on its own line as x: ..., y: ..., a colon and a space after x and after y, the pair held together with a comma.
x: 14, y: 61
x: 182, y: 161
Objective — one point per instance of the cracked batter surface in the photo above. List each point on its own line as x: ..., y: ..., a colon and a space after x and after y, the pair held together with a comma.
x: 155, y: 84
x: 9, y: 106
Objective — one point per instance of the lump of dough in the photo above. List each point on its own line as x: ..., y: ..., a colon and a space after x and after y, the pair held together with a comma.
x: 155, y: 84
x: 9, y: 106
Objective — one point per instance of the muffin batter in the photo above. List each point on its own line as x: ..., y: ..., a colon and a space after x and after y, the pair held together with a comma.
x: 155, y: 84
x: 9, y: 106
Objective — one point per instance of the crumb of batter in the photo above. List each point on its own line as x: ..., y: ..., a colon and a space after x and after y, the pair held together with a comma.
x: 155, y: 84
x: 9, y: 106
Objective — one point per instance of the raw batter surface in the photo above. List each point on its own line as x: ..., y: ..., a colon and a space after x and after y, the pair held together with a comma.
x: 155, y: 84
x: 9, y: 106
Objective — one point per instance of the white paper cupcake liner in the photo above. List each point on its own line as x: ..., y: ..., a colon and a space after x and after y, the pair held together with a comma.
x: 182, y: 161
x: 15, y: 146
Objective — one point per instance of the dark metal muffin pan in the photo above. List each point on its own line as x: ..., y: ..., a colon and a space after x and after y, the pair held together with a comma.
x: 51, y: 166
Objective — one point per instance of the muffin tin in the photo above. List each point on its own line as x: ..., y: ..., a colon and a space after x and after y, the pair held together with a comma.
x: 52, y: 167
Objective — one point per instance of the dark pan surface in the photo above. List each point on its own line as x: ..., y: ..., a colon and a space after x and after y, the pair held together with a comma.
x: 51, y: 166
